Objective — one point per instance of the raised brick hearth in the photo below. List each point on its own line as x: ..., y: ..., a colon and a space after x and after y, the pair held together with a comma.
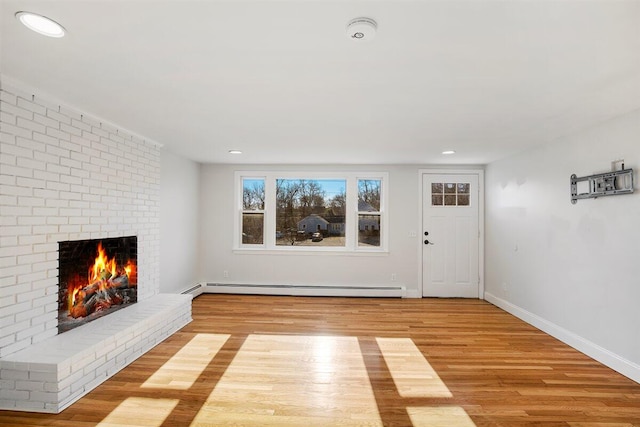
x: 51, y: 375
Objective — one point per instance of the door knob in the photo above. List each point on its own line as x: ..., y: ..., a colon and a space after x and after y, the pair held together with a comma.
x: 426, y: 233
x: 426, y: 242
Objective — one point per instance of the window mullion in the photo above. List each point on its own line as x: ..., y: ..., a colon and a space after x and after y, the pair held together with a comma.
x: 270, y: 212
x: 351, y: 214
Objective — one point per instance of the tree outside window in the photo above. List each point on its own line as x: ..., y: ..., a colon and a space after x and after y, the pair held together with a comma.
x: 310, y: 212
x: 253, y: 196
x: 369, y: 215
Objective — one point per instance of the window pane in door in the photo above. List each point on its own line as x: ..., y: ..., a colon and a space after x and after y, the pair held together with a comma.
x: 450, y: 200
x: 463, y: 200
x: 463, y: 188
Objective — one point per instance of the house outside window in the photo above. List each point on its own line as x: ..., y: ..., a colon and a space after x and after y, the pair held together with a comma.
x: 288, y: 211
x: 305, y: 208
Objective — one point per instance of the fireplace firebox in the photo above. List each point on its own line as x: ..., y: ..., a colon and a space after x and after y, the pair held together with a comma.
x: 95, y: 277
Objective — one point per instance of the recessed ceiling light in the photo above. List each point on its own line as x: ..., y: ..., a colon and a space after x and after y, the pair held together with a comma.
x: 235, y: 152
x: 40, y: 24
x: 448, y: 152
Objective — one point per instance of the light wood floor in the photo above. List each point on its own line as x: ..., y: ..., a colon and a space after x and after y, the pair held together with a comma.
x: 292, y: 361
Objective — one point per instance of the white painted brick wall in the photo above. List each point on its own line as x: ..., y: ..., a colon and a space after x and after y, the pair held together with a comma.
x: 65, y: 175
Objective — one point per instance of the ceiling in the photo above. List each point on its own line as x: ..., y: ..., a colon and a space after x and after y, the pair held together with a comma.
x: 281, y: 81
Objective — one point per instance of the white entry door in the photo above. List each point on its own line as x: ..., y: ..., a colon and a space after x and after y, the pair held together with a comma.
x: 450, y: 235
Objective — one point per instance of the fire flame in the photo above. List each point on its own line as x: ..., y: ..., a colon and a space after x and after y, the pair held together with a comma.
x: 131, y: 271
x: 99, y: 273
x: 103, y: 268
x: 74, y: 286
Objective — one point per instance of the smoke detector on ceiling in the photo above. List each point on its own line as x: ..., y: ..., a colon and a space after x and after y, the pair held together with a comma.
x: 361, y: 29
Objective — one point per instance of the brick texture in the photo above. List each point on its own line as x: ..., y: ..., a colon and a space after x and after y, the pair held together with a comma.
x: 65, y: 175
x: 51, y: 375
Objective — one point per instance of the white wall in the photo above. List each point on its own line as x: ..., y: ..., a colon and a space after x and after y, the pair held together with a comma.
x: 572, y: 270
x: 65, y: 175
x: 216, y: 240
x: 179, y: 200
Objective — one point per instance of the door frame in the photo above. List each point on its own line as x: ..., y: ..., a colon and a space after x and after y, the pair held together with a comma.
x: 442, y: 171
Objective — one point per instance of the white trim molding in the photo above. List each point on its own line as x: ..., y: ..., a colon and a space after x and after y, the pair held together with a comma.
x: 420, y: 247
x: 602, y: 355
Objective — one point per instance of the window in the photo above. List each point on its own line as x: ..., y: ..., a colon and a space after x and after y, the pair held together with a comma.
x: 369, y: 212
x: 253, y: 210
x: 288, y: 211
x: 305, y: 207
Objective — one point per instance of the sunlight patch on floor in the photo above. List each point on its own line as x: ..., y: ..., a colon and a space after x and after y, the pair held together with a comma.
x: 184, y: 368
x: 139, y: 412
x: 282, y: 380
x: 412, y: 374
x: 439, y: 416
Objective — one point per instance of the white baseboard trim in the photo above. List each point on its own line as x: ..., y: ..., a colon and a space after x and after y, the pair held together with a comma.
x: 601, y: 354
x: 397, y: 291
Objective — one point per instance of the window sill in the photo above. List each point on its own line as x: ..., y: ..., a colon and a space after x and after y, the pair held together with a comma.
x: 308, y: 252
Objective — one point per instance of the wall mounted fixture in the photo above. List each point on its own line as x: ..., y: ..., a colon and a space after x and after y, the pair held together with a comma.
x: 602, y: 184
x: 41, y: 24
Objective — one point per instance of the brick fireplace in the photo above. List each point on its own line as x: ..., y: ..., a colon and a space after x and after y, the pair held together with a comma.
x: 68, y: 176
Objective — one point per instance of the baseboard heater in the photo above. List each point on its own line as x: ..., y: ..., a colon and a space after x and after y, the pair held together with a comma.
x: 308, y: 290
x: 190, y: 290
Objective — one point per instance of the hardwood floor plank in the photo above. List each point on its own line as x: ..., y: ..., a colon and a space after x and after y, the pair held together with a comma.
x: 182, y: 370
x: 442, y: 416
x: 293, y: 380
x: 412, y: 375
x: 498, y: 370
x: 139, y: 412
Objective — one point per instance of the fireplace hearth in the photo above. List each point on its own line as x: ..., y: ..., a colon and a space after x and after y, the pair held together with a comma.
x: 95, y: 277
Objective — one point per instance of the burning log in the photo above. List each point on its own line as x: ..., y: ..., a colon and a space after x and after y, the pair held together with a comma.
x: 92, y: 298
x: 91, y: 289
x: 120, y: 282
x: 82, y: 308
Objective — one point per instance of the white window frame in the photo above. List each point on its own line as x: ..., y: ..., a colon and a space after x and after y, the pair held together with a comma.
x: 369, y: 213
x: 351, y: 213
x: 251, y: 211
